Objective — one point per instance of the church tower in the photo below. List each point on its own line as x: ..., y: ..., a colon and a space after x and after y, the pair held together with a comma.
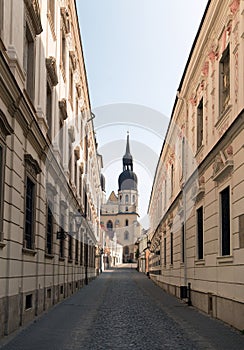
x: 119, y: 214
x: 127, y: 192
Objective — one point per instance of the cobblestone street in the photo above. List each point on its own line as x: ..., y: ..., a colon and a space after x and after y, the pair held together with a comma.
x: 123, y: 309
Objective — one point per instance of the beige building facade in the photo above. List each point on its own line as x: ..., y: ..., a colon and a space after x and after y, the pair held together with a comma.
x: 197, y: 201
x: 50, y: 191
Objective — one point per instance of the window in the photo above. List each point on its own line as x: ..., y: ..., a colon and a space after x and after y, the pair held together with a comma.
x: 182, y: 155
x: 29, y: 62
x: 200, y: 233
x: 172, y: 179
x: 81, y: 253
x: 71, y: 82
x: 28, y: 301
x: 49, y: 110
x: 133, y: 198
x: 165, y: 251
x: 61, y: 141
x: 61, y: 246
x: 171, y: 248
x: 29, y: 214
x: 200, y: 124
x: 165, y: 193
x: 76, y: 251
x: 126, y: 222
x: 70, y: 243
x: 49, y: 237
x: 225, y: 221
x: 224, y: 80
x: 110, y: 225
x: 126, y: 198
x: 183, y: 243
x: 126, y: 209
x: 126, y: 235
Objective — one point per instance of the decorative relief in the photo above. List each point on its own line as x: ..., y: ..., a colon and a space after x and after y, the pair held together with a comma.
x: 223, y: 164
x: 31, y: 165
x: 205, y: 69
x: 52, y: 70
x: 5, y: 128
x: 65, y: 18
x: 234, y: 6
x: 33, y: 12
x: 170, y: 220
x: 198, y: 189
x: 63, y: 108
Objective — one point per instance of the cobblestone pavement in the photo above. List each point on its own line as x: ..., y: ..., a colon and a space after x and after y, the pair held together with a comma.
x: 123, y: 309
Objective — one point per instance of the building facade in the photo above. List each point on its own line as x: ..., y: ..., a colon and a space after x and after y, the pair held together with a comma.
x: 197, y: 201
x: 49, y: 167
x: 119, y: 213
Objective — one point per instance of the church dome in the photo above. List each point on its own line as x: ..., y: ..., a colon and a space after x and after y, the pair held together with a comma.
x: 127, y: 180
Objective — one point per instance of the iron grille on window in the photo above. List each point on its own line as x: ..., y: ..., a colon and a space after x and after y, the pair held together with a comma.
x: 29, y: 213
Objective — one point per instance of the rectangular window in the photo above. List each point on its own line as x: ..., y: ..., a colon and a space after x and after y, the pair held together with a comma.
x: 81, y: 253
x: 225, y: 221
x: 61, y: 246
x: 70, y: 243
x: 172, y: 180
x: 183, y: 243
x: 165, y: 261
x: 29, y: 67
x: 49, y: 110
x: 29, y: 214
x: 28, y: 301
x: 49, y: 228
x: 71, y: 82
x: 241, y: 230
x: 183, y: 155
x: 200, y: 233
x: 76, y: 251
x: 224, y: 80
x: 171, y: 248
x: 200, y: 124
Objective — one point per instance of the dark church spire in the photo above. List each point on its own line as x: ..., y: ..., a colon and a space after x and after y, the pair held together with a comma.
x: 127, y: 159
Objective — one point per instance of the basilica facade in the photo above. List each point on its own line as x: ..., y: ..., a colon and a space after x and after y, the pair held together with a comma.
x: 119, y: 214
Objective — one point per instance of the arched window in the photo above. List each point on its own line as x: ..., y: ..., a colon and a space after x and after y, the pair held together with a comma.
x: 120, y: 197
x: 126, y: 250
x: 110, y: 225
x: 126, y: 198
x: 126, y: 222
x: 126, y: 235
x: 126, y: 208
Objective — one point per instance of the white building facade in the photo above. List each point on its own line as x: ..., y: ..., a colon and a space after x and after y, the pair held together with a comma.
x: 49, y: 167
x: 197, y: 200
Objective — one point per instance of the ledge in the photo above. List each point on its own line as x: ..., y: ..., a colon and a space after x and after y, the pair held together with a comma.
x: 200, y: 262
x: 61, y: 258
x: 29, y: 251
x: 49, y: 256
x: 226, y: 259
x: 226, y: 170
x: 2, y: 245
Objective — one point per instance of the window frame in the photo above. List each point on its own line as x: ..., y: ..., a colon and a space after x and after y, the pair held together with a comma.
x: 228, y: 251
x: 200, y: 119
x: 200, y: 247
x: 223, y: 105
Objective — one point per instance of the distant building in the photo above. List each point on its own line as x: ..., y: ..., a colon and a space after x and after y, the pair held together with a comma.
x: 119, y: 213
x: 50, y: 189
x: 197, y: 201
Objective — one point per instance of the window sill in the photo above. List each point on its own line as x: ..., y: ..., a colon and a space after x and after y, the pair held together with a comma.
x: 28, y: 251
x: 76, y: 263
x: 182, y: 264
x: 49, y: 256
x: 200, y: 262
x: 225, y: 259
x: 61, y: 258
x: 70, y: 260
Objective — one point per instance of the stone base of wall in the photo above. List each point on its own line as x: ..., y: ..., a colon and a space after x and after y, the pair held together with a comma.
x: 227, y: 310
x: 15, y: 310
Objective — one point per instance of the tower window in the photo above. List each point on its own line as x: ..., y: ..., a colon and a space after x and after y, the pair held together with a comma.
x: 126, y: 198
x: 126, y: 222
x: 109, y: 225
x: 126, y: 236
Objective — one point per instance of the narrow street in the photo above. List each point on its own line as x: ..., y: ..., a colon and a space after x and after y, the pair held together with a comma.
x: 123, y: 309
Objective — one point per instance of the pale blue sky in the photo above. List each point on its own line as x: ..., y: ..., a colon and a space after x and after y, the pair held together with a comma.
x: 135, y: 54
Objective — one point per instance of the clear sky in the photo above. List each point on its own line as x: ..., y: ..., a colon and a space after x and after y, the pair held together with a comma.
x: 135, y: 53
